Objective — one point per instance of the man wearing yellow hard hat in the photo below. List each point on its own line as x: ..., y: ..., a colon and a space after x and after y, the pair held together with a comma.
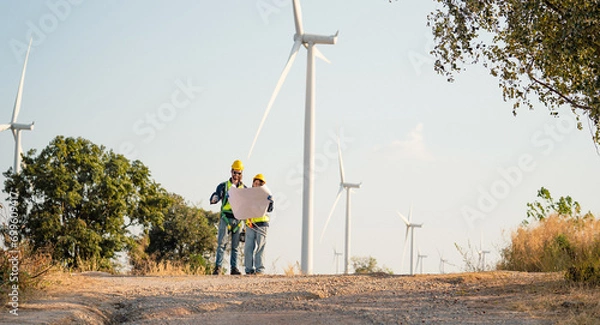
x: 228, y: 223
x: 256, y: 236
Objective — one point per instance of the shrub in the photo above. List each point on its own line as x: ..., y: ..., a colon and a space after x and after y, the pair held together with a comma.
x: 28, y: 274
x: 556, y: 243
x: 366, y: 265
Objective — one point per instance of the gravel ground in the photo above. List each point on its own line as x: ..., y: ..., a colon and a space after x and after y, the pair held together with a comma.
x: 95, y: 298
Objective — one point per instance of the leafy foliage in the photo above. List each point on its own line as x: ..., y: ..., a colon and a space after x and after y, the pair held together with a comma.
x: 81, y: 200
x: 185, y: 234
x: 365, y: 265
x: 564, y: 207
x: 545, y: 49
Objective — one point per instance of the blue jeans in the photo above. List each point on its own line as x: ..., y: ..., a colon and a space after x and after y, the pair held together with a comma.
x: 254, y: 250
x: 235, y: 243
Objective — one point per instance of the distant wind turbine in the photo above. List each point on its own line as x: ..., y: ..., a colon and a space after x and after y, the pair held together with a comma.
x: 15, y: 127
x: 482, y: 253
x: 443, y: 262
x: 336, y: 257
x: 409, y: 226
x: 348, y: 187
x: 420, y: 258
x: 309, y: 41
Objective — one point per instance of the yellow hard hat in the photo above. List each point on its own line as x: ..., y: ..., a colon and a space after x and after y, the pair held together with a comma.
x: 237, y: 165
x: 260, y: 177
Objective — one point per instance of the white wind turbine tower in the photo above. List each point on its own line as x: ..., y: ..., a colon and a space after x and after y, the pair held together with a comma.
x: 336, y: 257
x: 309, y: 41
x: 482, y: 253
x: 442, y: 262
x: 409, y: 226
x: 420, y: 258
x: 15, y: 127
x: 348, y: 187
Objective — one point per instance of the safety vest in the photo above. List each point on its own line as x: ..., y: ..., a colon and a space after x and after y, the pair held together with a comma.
x: 226, y: 207
x: 264, y: 218
x: 226, y: 212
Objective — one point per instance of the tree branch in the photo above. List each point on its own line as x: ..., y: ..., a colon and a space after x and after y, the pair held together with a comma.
x: 561, y: 95
x: 554, y: 7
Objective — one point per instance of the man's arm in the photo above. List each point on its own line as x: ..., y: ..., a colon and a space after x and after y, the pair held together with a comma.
x: 218, y: 194
x: 270, y: 208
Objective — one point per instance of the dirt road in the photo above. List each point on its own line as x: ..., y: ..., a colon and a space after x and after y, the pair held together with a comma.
x: 489, y: 298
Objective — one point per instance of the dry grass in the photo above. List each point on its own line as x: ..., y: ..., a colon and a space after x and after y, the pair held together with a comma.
x: 27, y: 275
x: 552, y: 245
x: 167, y: 268
x: 582, y: 303
x: 550, y: 294
x: 558, y: 244
x: 292, y: 269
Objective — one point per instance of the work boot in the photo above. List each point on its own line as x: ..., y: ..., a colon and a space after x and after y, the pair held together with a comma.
x: 235, y: 271
x: 217, y: 270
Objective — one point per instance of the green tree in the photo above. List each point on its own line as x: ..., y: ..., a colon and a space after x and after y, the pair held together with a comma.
x: 565, y: 207
x: 82, y: 201
x: 185, y: 233
x: 545, y: 49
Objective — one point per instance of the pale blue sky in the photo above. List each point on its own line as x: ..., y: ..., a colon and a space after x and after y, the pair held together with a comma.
x: 182, y: 86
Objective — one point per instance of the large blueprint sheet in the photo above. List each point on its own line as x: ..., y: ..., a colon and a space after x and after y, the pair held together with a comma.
x: 249, y: 202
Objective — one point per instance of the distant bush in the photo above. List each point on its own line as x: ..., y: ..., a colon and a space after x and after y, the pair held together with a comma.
x: 559, y: 239
x: 365, y: 265
x: 143, y: 263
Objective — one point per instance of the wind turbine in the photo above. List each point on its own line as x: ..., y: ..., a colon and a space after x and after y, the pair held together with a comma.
x: 442, y: 263
x: 409, y: 226
x: 482, y: 253
x: 309, y: 41
x: 336, y: 257
x: 15, y: 127
x: 348, y: 187
x: 420, y: 258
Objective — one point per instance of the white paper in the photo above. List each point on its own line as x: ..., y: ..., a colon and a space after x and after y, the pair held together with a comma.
x: 249, y: 202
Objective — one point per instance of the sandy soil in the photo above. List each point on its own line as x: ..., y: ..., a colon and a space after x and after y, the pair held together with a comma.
x: 473, y: 298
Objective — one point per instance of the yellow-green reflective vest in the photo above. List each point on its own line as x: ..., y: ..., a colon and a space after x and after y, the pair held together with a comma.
x: 226, y: 207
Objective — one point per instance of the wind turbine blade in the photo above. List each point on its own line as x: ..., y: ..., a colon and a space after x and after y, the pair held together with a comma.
x: 298, y: 17
x: 410, y: 213
x: 340, y: 160
x: 284, y: 74
x: 4, y: 127
x: 320, y: 55
x: 17, y: 107
x: 404, y: 219
x: 331, y: 212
